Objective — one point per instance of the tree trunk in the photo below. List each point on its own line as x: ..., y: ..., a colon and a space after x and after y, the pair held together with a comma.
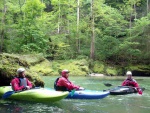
x: 147, y: 6
x: 135, y: 14
x: 92, y: 51
x: 68, y: 30
x: 3, y: 26
x: 130, y: 24
x: 78, y: 19
x: 58, y: 29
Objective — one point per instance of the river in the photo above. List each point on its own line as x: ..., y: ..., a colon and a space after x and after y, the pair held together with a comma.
x: 132, y: 103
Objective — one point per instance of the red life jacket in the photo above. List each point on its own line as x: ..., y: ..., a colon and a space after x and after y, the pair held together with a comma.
x: 59, y: 88
x: 130, y: 82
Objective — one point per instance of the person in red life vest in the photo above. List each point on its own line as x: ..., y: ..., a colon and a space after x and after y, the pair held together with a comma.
x: 129, y: 81
x: 21, y: 82
x: 63, y: 84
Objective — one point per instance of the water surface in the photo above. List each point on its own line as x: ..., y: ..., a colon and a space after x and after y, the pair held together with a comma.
x: 132, y: 103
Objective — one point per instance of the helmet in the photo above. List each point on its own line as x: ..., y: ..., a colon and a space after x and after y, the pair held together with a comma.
x: 20, y: 70
x: 64, y: 72
x: 129, y: 73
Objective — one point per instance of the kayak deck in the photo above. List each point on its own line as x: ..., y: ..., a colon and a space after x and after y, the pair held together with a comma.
x: 123, y: 90
x: 87, y: 94
x: 37, y: 95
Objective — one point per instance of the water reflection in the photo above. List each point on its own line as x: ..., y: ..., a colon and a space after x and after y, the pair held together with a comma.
x: 9, y: 107
x: 12, y: 106
x: 132, y: 103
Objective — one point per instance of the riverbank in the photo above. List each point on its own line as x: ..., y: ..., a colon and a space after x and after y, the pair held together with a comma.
x: 37, y: 65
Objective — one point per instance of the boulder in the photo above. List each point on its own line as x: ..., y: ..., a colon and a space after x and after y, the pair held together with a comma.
x: 11, y: 62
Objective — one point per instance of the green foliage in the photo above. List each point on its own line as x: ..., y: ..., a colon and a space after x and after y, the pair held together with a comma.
x: 76, y: 67
x: 109, y: 47
x: 125, y: 6
x: 144, y: 68
x: 111, y: 26
x: 33, y: 9
x: 50, y: 27
x: 140, y: 35
x: 112, y: 71
x: 98, y: 67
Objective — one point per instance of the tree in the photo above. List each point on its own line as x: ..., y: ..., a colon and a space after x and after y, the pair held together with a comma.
x: 141, y: 36
x: 4, y: 9
x: 78, y: 19
x: 147, y: 7
x: 92, y: 50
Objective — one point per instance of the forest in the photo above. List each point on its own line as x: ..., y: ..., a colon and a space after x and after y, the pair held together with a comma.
x: 115, y: 31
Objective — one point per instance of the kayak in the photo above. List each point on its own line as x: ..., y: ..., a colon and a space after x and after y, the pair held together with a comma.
x: 123, y: 90
x: 87, y: 94
x: 36, y: 95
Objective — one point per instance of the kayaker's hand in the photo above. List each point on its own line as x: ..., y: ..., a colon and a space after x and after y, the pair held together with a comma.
x: 81, y: 88
x: 27, y: 87
x: 140, y: 92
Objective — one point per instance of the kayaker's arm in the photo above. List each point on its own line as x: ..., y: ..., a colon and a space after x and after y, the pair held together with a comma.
x: 69, y: 85
x: 136, y: 85
x: 29, y: 84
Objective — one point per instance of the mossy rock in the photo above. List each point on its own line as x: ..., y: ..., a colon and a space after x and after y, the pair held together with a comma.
x: 145, y: 68
x: 111, y: 71
x: 12, y: 59
x: 107, y: 69
x: 43, y: 68
x: 98, y: 67
x: 36, y: 65
x: 11, y: 62
x: 76, y: 67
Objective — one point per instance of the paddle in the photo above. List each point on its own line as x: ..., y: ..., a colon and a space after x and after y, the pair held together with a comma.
x: 139, y: 90
x: 72, y: 92
x: 108, y: 84
x: 9, y: 93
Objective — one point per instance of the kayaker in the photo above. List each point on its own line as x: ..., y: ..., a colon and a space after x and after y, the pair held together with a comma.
x: 129, y: 81
x: 63, y: 84
x: 21, y: 82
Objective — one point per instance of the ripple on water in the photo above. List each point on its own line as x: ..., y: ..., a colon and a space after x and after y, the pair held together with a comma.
x: 44, y: 108
x: 28, y: 107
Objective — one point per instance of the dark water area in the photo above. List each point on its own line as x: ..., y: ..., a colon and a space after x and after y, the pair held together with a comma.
x: 132, y: 103
x: 141, y: 74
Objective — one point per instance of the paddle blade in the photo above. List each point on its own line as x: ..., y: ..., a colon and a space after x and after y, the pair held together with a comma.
x: 107, y: 84
x: 7, y: 94
x: 142, y: 88
x: 72, y: 92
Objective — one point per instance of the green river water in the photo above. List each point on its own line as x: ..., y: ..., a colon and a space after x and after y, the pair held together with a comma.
x: 132, y: 103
